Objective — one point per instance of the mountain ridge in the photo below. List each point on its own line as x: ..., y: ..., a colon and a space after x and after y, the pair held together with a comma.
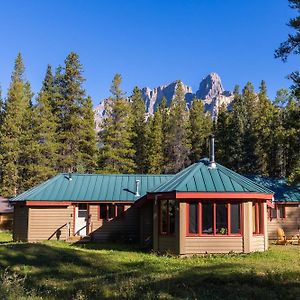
x: 210, y: 91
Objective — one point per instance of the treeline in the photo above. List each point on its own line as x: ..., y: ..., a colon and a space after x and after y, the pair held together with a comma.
x: 55, y: 133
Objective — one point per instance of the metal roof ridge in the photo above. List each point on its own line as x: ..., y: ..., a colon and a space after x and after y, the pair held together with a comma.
x: 192, y: 172
x: 248, y: 182
x: 104, y: 174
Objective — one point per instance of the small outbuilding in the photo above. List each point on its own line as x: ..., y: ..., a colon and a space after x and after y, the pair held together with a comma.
x: 207, y: 208
x: 6, y: 214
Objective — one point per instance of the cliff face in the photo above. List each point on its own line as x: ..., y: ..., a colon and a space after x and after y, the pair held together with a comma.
x: 210, y: 91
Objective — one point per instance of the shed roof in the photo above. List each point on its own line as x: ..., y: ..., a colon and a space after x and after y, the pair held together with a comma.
x: 92, y: 187
x: 283, y: 191
x: 200, y: 177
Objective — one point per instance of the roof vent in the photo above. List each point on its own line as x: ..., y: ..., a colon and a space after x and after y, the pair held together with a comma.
x: 212, y: 163
x: 137, y: 188
x: 70, y: 177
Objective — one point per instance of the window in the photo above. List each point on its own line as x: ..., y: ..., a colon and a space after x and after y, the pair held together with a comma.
x: 193, y: 218
x: 167, y: 216
x: 221, y: 218
x: 110, y: 211
x: 207, y: 218
x: 214, y: 218
x: 278, y: 212
x: 235, y: 218
x: 257, y: 218
x: 120, y: 209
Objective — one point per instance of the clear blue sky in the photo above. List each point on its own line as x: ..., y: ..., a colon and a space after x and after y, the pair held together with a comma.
x: 149, y: 42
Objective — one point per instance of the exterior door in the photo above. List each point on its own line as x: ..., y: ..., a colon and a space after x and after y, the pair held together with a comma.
x: 81, y: 218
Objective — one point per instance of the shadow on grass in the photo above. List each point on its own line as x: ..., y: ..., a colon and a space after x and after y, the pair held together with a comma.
x: 67, y: 272
x: 109, y: 246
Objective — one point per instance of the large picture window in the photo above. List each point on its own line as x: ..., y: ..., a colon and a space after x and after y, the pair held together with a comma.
x: 167, y: 210
x: 214, y: 218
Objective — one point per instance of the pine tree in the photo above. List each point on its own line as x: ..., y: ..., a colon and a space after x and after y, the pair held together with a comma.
x: 177, y: 144
x: 14, y: 129
x: 72, y: 108
x: 200, y: 129
x: 264, y: 134
x: 41, y: 159
x: 155, y: 143
x: 88, y: 148
x: 116, y: 137
x: 139, y: 129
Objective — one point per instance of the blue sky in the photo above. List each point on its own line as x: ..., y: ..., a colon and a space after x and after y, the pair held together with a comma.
x: 149, y: 42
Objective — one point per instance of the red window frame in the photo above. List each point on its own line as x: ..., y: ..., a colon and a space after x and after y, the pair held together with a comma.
x: 167, y: 233
x: 277, y: 206
x: 214, y: 203
x: 259, y: 218
x: 115, y: 210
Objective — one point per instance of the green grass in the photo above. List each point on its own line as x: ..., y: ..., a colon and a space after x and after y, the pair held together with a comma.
x: 57, y: 270
x: 5, y: 236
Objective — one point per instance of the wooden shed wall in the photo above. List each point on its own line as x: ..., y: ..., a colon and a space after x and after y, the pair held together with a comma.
x: 120, y: 228
x: 290, y: 224
x: 46, y: 221
x: 20, y: 223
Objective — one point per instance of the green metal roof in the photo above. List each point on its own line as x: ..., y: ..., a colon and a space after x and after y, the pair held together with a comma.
x: 200, y: 177
x: 92, y: 187
x: 283, y: 191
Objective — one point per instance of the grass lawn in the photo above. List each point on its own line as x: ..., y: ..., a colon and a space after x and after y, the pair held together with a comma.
x: 57, y: 270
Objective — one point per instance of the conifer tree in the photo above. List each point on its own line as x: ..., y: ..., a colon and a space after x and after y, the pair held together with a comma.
x: 88, y: 142
x: 200, y: 129
x: 139, y: 130
x: 177, y: 144
x: 14, y: 129
x: 41, y: 160
x: 155, y: 143
x: 117, y: 154
x: 264, y: 134
x: 72, y: 108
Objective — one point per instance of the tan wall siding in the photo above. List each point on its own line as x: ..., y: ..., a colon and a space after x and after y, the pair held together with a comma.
x: 213, y: 244
x: 20, y: 223
x: 257, y: 243
x: 168, y: 244
x: 44, y: 223
x: 123, y: 227
x: 290, y: 225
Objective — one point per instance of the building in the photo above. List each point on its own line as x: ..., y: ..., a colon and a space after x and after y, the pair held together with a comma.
x: 6, y: 214
x: 285, y: 211
x: 204, y: 208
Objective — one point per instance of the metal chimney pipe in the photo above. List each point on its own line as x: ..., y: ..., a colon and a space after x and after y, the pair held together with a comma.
x: 137, y: 186
x: 212, y: 152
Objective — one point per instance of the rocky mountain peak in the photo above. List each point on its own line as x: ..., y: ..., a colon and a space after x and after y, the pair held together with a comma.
x: 210, y: 87
x: 210, y: 91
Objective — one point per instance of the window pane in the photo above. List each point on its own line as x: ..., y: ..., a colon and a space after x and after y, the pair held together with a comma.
x: 163, y: 216
x: 273, y: 213
x: 111, y: 211
x: 172, y: 216
x: 120, y: 209
x: 221, y: 222
x: 253, y: 218
x: 193, y: 217
x: 281, y: 211
x: 102, y: 211
x: 235, y: 218
x: 207, y: 218
x: 260, y: 218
